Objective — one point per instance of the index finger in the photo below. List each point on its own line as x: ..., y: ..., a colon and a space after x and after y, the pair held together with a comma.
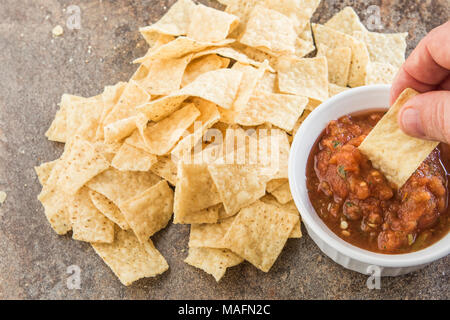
x: 427, y: 66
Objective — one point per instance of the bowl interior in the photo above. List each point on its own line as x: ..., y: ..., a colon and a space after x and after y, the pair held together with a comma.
x: 351, y: 101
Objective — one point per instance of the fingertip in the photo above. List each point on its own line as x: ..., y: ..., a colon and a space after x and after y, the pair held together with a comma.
x: 409, y: 121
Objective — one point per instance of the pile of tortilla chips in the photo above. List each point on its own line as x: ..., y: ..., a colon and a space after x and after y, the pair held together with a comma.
x: 210, y: 79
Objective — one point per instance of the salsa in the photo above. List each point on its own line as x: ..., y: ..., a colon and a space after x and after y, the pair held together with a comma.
x: 357, y: 202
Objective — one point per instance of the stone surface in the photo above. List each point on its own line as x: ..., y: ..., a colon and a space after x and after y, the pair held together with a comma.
x: 37, y: 68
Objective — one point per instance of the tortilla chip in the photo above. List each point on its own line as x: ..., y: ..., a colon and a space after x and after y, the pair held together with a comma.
x: 83, y: 118
x: 384, y: 47
x: 274, y: 184
x: 58, y: 128
x: 268, y: 83
x: 282, y: 193
x: 108, y: 209
x: 242, y: 9
x: 130, y: 158
x: 393, y: 152
x: 80, y: 163
x: 44, y: 170
x: 150, y: 211
x: 269, y: 30
x: 238, y: 185
x: 88, y: 223
x: 218, y: 86
x: 209, y: 235
x: 161, y: 137
x: 110, y: 97
x: 291, y: 208
x: 213, y: 261
x: 334, y: 89
x: 360, y: 55
x: 208, y: 215
x: 119, y: 186
x: 281, y: 110
x: 175, y: 22
x: 163, y: 76
x: 259, y: 232
x: 129, y: 259
x: 300, y: 12
x: 166, y: 169
x: 179, y: 47
x: 304, y: 44
x: 338, y: 60
x: 230, y: 53
x: 158, y: 109
x: 202, y: 65
x: 54, y: 202
x: 250, y: 78
x: 306, y: 77
x: 380, y: 73
x: 208, y: 117
x: 346, y: 21
x: 194, y: 191
x: 133, y: 95
x: 209, y: 24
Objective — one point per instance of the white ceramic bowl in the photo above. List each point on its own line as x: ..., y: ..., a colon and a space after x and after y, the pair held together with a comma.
x: 347, y: 255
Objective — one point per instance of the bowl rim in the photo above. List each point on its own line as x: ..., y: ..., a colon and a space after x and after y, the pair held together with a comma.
x: 416, y: 258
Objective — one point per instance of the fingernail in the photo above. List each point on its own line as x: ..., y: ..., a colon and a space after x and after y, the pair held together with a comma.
x: 411, y: 122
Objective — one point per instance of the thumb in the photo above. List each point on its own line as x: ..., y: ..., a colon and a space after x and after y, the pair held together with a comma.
x: 427, y: 116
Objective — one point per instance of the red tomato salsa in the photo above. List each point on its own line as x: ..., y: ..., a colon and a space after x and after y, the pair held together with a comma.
x: 360, y: 206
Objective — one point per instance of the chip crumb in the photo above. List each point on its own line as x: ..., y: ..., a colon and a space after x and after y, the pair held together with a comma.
x: 57, y: 31
x: 2, y: 196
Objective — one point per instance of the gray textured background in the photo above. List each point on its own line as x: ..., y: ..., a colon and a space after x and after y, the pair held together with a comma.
x: 36, y: 69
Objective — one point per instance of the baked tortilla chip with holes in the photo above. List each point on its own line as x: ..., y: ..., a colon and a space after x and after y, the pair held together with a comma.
x: 259, y: 232
x: 213, y: 261
x: 129, y: 259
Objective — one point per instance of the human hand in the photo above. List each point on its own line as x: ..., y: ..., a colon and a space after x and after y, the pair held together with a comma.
x: 427, y: 70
